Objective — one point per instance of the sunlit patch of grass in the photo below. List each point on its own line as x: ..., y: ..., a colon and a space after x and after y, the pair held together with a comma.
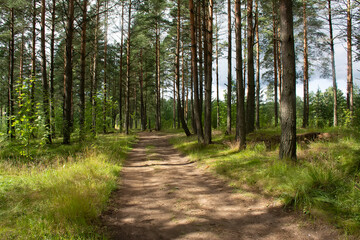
x: 324, y: 182
x: 62, y: 197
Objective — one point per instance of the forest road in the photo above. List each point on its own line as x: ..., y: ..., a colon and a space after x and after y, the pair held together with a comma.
x: 163, y: 195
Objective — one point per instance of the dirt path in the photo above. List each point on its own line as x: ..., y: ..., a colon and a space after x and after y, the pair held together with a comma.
x: 165, y: 196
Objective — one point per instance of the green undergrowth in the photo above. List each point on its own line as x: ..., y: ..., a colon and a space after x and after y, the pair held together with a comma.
x: 324, y: 182
x: 61, y: 191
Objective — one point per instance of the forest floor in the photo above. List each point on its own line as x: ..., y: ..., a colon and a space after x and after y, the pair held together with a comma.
x: 164, y: 195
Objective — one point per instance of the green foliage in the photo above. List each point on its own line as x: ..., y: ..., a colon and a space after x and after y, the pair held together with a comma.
x: 324, y: 182
x: 62, y: 196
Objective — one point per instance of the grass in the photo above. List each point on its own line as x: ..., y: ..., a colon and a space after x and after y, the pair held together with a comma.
x: 61, y: 191
x: 324, y: 182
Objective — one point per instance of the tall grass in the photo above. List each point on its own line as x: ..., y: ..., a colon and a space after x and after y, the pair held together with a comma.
x: 324, y: 182
x: 62, y: 196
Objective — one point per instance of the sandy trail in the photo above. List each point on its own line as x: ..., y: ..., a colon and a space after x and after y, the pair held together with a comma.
x: 163, y: 195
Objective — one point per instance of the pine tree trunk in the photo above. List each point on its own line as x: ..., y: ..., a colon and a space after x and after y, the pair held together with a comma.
x: 174, y: 100
x: 127, y: 85
x: 11, y: 100
x: 45, y: 84
x: 240, y: 98
x: 208, y: 71
x: 68, y: 74
x: 157, y: 87
x: 332, y: 53
x: 350, y: 97
x: 257, y: 114
x: 197, y: 115
x: 83, y: 70
x: 229, y: 83
x: 52, y: 69
x: 142, y: 107
x: 217, y: 76
x: 33, y: 67
x: 105, y: 69
x: 95, y: 74
x: 201, y: 47
x: 121, y: 66
x: 288, y: 94
x: 275, y: 51
x: 250, y: 113
x: 306, y: 71
x: 177, y: 73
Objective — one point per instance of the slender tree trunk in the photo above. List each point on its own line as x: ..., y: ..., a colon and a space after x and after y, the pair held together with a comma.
x: 68, y: 74
x: 105, y: 69
x: 275, y: 51
x: 157, y: 113
x: 208, y: 71
x: 257, y: 114
x: 83, y: 70
x: 250, y: 113
x: 46, y: 102
x: 177, y: 73
x: 182, y: 79
x: 279, y: 66
x: 121, y: 66
x: 217, y: 76
x: 21, y: 63
x: 240, y: 98
x: 11, y: 99
x: 288, y: 94
x: 95, y: 74
x: 197, y: 115
x: 193, y: 122
x: 142, y: 107
x: 350, y: 101
x: 228, y: 119
x: 174, y: 102
x: 128, y: 68
x: 332, y: 52
x: 52, y: 68
x: 306, y: 71
x: 201, y: 35
x: 33, y: 67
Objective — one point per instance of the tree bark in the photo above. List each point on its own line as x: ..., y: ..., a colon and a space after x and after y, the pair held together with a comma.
x: 177, y: 73
x: 157, y: 57
x: 229, y: 84
x: 197, y: 115
x: 332, y: 53
x: 95, y: 76
x: 240, y: 108
x: 201, y: 35
x: 275, y: 51
x: 128, y: 68
x: 68, y: 74
x: 350, y: 97
x: 250, y: 113
x: 257, y: 114
x: 45, y: 84
x: 83, y: 70
x: 288, y: 94
x: 52, y: 69
x: 121, y: 66
x: 208, y: 71
x: 306, y: 70
x: 217, y: 77
x: 33, y: 67
x: 142, y: 107
x: 105, y: 69
x: 11, y: 100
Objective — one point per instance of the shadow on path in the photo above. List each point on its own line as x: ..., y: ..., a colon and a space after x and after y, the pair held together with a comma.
x: 163, y: 195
